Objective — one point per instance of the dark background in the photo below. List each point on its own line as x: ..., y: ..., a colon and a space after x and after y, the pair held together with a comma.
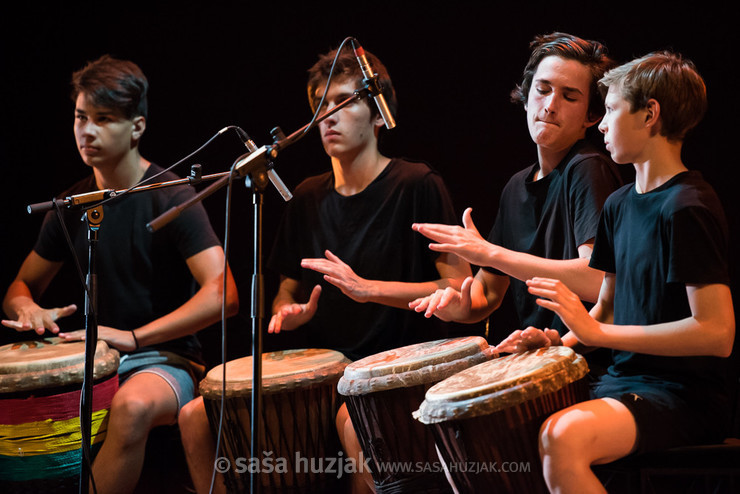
x: 244, y: 63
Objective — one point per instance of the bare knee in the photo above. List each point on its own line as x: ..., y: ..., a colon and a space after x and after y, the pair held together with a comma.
x: 341, y: 422
x: 562, y: 437
x: 192, y: 414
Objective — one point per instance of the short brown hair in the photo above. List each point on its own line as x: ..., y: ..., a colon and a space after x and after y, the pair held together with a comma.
x: 668, y: 78
x: 115, y: 84
x: 592, y: 54
x: 348, y: 67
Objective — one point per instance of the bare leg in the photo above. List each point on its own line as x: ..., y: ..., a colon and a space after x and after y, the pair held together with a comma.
x: 200, y: 447
x: 143, y: 402
x: 589, y: 433
x: 360, y: 482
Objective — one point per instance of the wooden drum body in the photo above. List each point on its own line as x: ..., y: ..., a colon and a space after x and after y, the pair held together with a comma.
x: 486, y: 419
x: 299, y: 406
x: 40, y: 434
x: 383, y: 390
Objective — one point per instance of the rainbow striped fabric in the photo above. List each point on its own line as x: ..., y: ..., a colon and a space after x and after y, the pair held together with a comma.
x: 40, y: 436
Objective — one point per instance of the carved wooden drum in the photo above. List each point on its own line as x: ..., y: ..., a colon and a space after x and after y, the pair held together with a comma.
x: 486, y: 419
x: 40, y: 434
x: 384, y: 389
x: 298, y: 433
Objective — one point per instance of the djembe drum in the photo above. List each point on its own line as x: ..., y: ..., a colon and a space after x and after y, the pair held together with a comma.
x: 297, y: 424
x: 384, y: 389
x: 486, y: 419
x: 40, y: 386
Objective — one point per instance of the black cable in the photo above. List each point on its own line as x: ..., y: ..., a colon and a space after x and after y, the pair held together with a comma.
x: 326, y: 87
x: 84, y: 437
x: 227, y: 239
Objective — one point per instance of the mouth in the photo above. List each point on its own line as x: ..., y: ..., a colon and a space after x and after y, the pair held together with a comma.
x: 89, y: 149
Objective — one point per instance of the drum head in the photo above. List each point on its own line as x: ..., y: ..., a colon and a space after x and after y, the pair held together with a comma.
x: 287, y: 369
x: 50, y: 362
x: 413, y: 365
x: 501, y: 383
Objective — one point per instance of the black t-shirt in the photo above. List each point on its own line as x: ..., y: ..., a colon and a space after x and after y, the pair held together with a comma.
x: 551, y: 217
x: 141, y: 275
x: 371, y: 232
x: 656, y: 243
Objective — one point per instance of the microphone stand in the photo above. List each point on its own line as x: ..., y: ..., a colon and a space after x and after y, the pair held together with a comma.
x: 259, y: 166
x: 93, y: 218
x: 92, y: 204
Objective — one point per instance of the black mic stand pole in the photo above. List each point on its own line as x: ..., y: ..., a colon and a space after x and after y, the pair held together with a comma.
x: 93, y: 218
x: 259, y: 181
x: 258, y: 165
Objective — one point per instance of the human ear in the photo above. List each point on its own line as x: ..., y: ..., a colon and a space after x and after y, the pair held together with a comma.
x: 652, y: 112
x: 138, y: 127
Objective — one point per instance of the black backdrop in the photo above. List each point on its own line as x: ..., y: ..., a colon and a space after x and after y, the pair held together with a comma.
x: 244, y: 63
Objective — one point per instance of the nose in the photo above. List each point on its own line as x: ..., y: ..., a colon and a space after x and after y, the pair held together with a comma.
x: 602, y: 126
x: 86, y: 128
x: 550, y: 102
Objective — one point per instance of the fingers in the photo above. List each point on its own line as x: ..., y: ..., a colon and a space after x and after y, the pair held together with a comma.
x: 554, y: 337
x: 313, y: 299
x: 78, y: 335
x: 63, y: 311
x: 509, y: 344
x: 528, y: 339
x: 290, y: 316
x: 434, y: 231
x: 468, y: 220
x: 466, y: 289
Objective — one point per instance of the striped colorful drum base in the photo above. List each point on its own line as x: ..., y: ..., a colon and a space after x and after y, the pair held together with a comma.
x: 40, y: 433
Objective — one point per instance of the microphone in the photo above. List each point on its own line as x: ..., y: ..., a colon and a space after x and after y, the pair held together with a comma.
x: 271, y: 174
x: 371, y: 78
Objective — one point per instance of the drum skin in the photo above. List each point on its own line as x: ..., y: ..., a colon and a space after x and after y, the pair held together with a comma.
x: 383, y: 390
x: 486, y: 419
x: 299, y: 406
x: 40, y: 386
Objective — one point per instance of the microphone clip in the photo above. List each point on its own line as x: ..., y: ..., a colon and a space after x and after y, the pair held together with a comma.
x: 372, y: 84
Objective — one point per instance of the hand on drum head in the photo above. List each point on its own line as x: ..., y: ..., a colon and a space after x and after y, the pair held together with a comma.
x: 291, y: 316
x: 115, y: 338
x: 32, y: 317
x: 448, y: 304
x: 529, y: 339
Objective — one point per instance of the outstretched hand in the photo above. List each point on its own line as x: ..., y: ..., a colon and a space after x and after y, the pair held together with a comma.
x: 36, y: 318
x: 447, y: 304
x: 464, y: 241
x: 339, y: 274
x: 291, y: 316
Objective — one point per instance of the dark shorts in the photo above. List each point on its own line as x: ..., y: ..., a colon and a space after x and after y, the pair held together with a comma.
x: 667, y: 414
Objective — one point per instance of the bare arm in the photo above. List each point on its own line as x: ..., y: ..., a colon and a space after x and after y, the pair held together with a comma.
x: 451, y: 268
x: 476, y: 299
x: 710, y: 330
x: 30, y: 283
x: 203, y: 308
x: 467, y: 243
x: 198, y: 312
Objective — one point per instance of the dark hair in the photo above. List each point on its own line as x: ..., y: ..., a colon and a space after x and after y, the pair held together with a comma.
x: 347, y: 67
x: 115, y: 84
x: 671, y: 80
x: 592, y: 54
